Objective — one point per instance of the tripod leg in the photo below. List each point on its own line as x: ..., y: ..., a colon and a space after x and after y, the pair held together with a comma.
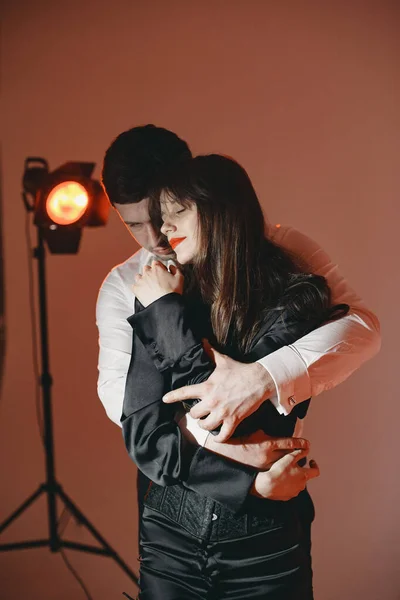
x: 21, y: 509
x: 82, y: 519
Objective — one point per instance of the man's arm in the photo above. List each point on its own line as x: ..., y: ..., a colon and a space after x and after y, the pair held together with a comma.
x: 315, y: 363
x: 115, y: 343
x: 328, y: 355
x: 114, y: 304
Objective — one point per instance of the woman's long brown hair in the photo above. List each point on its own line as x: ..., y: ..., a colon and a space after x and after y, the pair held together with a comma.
x: 238, y: 272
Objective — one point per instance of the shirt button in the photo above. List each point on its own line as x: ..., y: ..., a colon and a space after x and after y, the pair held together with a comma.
x: 214, y: 517
x: 292, y: 400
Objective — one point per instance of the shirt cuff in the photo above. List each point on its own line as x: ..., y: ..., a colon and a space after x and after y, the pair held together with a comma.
x: 291, y: 378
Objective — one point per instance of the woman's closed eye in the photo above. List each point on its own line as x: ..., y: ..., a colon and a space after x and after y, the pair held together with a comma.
x: 165, y: 217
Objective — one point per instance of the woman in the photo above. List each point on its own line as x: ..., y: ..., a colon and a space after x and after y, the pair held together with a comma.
x: 205, y: 533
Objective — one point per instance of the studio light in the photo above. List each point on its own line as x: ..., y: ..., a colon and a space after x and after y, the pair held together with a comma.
x: 67, y: 203
x: 63, y: 201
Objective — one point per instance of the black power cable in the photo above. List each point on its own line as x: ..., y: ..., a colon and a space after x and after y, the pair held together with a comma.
x: 75, y: 574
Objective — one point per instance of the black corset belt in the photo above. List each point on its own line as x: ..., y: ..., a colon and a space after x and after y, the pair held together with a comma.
x: 209, y: 520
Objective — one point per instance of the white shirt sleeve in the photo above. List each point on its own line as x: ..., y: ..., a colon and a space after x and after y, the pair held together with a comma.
x: 115, y: 303
x: 113, y: 308
x: 327, y: 356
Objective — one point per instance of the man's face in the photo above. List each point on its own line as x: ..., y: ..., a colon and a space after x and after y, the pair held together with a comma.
x: 137, y: 220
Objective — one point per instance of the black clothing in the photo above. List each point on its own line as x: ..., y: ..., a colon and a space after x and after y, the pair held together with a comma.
x: 202, y: 534
x: 179, y: 565
x: 167, y: 353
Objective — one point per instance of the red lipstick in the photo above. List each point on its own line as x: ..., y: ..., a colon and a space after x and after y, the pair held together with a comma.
x: 173, y: 242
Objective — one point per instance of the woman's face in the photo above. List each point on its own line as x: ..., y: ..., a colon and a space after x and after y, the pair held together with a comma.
x: 180, y: 225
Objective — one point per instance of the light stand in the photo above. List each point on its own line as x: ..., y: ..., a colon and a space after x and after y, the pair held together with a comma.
x: 51, y: 488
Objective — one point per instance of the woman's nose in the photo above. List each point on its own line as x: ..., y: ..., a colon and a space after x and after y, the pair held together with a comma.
x: 166, y: 227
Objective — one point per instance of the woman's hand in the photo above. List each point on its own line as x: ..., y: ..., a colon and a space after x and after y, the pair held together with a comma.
x: 285, y: 479
x: 156, y: 281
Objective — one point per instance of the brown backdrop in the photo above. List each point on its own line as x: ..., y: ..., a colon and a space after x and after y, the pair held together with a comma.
x: 305, y: 95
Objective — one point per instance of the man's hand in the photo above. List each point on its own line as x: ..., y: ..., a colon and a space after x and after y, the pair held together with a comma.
x: 285, y: 479
x: 257, y: 450
x: 232, y: 392
x: 156, y: 281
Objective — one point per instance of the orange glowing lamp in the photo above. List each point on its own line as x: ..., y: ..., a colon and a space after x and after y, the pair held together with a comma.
x: 64, y: 202
x: 67, y: 202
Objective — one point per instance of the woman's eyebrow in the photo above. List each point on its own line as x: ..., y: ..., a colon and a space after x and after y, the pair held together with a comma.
x: 165, y: 213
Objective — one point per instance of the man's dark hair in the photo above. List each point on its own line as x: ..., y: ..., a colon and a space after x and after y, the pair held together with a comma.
x: 135, y: 159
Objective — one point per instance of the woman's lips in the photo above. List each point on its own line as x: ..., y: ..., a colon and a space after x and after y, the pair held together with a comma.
x: 173, y: 242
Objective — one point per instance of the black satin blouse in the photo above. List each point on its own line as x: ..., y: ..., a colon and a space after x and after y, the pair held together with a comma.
x: 167, y: 353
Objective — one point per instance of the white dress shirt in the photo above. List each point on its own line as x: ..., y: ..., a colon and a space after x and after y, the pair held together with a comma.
x: 317, y: 362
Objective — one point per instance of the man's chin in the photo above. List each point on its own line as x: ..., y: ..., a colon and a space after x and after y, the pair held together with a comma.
x: 164, y: 253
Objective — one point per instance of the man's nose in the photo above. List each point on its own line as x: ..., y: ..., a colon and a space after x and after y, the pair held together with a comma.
x: 154, y: 235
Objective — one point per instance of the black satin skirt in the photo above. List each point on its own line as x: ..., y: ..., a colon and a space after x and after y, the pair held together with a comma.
x: 195, y: 549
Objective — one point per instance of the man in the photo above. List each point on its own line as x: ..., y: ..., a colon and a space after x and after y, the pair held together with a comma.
x: 319, y: 361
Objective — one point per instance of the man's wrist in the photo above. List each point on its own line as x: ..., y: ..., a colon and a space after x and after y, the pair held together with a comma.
x: 291, y: 378
x: 265, y: 381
